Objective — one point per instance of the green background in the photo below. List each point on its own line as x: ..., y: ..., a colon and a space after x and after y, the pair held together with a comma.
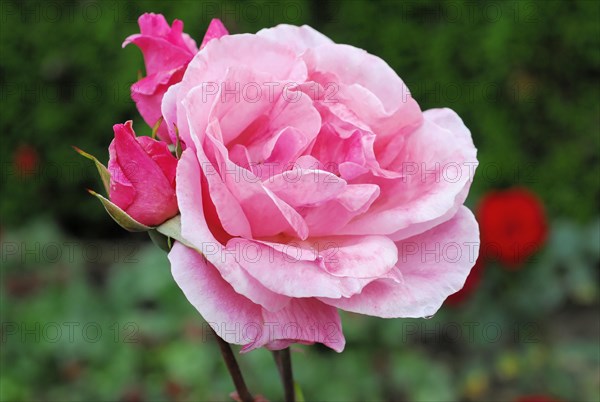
x: 90, y: 312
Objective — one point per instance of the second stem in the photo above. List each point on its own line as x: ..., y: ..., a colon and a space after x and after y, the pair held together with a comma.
x: 283, y: 359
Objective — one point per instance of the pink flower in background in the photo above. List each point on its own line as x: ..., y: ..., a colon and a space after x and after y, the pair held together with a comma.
x: 310, y: 181
x: 142, y: 176
x: 167, y: 51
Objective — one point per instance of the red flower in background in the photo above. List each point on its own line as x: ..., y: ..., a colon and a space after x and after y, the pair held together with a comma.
x: 536, y: 398
x: 470, y: 285
x: 25, y: 160
x: 512, y: 224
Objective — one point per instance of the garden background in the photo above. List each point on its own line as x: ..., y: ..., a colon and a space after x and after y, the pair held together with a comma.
x: 90, y: 312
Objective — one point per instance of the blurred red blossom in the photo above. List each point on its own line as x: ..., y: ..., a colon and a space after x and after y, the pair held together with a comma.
x: 536, y: 398
x: 513, y: 225
x: 25, y: 160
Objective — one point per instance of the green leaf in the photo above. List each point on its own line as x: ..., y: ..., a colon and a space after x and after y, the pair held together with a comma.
x: 298, y: 392
x: 120, y: 216
x: 104, y: 174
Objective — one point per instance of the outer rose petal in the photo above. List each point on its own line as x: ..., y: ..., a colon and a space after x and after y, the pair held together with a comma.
x: 213, y: 296
x: 298, y: 38
x: 166, y: 51
x: 211, y: 65
x: 168, y: 109
x: 121, y: 191
x: 237, y: 320
x: 215, y: 30
x: 302, y: 321
x: 195, y: 230
x: 427, y: 278
x: 163, y: 47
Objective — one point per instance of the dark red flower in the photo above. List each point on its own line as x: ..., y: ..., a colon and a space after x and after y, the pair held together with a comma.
x: 25, y: 160
x: 173, y: 389
x: 512, y: 224
x: 536, y: 398
x: 471, y: 284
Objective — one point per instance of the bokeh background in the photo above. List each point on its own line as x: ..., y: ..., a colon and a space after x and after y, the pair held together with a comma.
x: 90, y: 312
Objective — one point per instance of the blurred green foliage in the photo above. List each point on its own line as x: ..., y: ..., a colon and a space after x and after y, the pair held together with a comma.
x: 105, y: 321
x: 522, y: 74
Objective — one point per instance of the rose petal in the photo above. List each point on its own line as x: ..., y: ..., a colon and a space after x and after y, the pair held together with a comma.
x: 437, y: 166
x: 239, y: 321
x: 196, y: 231
x: 298, y: 38
x: 215, y: 30
x: 432, y: 265
x: 302, y: 321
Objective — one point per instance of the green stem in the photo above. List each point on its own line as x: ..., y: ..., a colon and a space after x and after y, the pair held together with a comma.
x: 234, y: 369
x: 283, y: 359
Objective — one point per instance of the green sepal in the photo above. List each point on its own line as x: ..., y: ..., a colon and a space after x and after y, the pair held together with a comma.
x: 156, y: 126
x: 120, y: 216
x: 161, y: 241
x: 102, y: 170
x: 178, y: 147
x: 172, y: 229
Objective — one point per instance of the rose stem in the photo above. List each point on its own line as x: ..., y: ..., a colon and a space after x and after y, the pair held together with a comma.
x: 234, y: 369
x: 283, y: 359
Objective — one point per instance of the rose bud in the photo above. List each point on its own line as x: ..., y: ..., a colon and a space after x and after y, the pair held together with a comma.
x: 167, y: 51
x: 142, y: 176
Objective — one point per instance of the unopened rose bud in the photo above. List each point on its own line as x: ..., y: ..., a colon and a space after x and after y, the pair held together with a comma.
x: 142, y: 176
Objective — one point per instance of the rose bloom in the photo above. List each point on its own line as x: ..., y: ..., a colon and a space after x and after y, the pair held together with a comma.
x: 311, y: 180
x: 513, y: 225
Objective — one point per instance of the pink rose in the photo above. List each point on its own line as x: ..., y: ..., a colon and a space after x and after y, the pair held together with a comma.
x: 312, y: 181
x: 142, y: 176
x: 167, y: 51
